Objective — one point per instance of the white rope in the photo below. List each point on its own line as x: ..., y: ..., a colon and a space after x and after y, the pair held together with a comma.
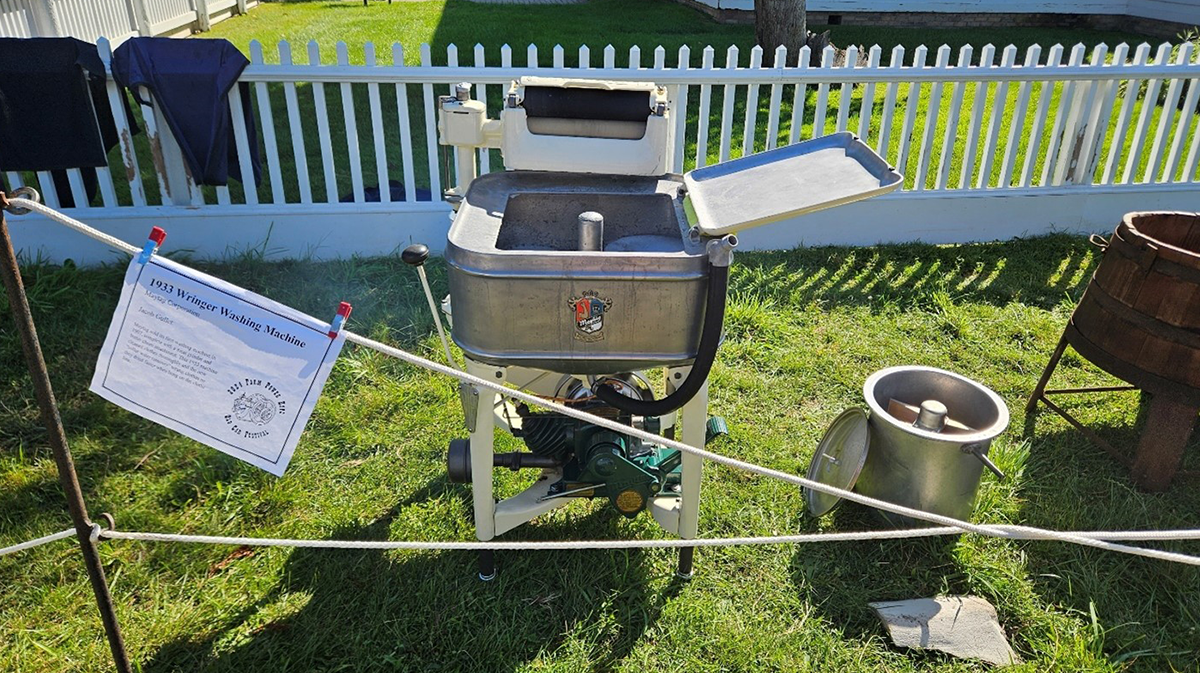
x: 30, y: 544
x: 72, y: 223
x: 993, y: 531
x: 1009, y: 532
x: 1017, y: 533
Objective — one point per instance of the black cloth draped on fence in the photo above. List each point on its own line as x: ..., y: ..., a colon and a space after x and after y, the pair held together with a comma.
x: 190, y: 82
x: 54, y: 110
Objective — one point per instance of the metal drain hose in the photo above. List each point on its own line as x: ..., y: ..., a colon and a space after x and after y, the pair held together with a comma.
x: 720, y: 253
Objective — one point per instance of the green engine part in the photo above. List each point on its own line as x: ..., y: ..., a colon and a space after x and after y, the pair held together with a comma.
x: 600, y: 463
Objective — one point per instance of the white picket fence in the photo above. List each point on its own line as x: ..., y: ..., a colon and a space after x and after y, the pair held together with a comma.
x: 992, y: 145
x: 116, y: 19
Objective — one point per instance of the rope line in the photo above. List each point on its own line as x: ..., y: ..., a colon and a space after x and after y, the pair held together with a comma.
x: 1007, y: 532
x: 37, y: 542
x: 1017, y: 533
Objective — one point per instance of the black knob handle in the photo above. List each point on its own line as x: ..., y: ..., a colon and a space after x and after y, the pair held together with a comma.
x: 415, y: 254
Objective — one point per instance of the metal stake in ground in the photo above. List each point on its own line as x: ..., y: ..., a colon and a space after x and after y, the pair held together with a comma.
x: 58, y: 442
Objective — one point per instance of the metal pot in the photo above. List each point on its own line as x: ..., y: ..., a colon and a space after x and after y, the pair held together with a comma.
x: 897, y: 460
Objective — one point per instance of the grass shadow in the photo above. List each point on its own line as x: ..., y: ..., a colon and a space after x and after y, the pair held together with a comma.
x: 428, y: 611
x: 899, y: 569
x: 1135, y: 605
x: 1040, y: 272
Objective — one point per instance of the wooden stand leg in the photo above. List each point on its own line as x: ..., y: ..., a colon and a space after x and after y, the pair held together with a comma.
x: 1168, y: 427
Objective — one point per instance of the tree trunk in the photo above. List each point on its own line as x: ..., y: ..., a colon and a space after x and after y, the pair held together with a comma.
x: 779, y: 22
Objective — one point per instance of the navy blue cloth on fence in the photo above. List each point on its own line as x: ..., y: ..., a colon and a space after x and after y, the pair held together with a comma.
x: 190, y: 82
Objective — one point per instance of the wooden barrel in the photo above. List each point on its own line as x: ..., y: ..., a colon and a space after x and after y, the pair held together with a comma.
x: 1139, y: 318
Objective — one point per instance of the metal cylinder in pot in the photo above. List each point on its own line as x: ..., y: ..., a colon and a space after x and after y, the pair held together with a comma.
x: 927, y: 469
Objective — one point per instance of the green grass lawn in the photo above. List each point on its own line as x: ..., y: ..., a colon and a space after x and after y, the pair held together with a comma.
x: 622, y: 23
x: 805, y: 328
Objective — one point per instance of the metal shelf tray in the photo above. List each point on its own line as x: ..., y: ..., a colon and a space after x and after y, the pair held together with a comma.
x: 794, y: 180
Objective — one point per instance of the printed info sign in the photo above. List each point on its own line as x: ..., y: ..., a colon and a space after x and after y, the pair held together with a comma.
x: 215, y: 362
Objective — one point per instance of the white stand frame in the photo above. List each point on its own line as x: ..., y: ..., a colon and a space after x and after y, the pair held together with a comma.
x: 679, y: 515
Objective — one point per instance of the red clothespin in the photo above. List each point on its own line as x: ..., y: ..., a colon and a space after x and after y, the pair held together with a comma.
x: 339, y: 320
x: 156, y: 238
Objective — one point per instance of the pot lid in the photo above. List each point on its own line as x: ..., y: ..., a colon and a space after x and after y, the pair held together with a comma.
x: 839, y: 459
x: 785, y: 182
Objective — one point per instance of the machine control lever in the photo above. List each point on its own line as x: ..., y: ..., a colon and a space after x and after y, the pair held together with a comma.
x: 415, y: 256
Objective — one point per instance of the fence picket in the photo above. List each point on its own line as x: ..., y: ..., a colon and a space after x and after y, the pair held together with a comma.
x: 406, y: 149
x: 47, y: 189
x: 925, y: 157
x: 867, y: 108
x: 635, y: 57
x: 775, y: 101
x: 268, y: 127
x: 349, y: 118
x: 1189, y: 171
x: 846, y: 90
x: 1117, y: 146
x: 452, y: 62
x: 1149, y: 102
x: 318, y: 89
x: 1045, y: 94
x: 585, y: 57
x: 1094, y: 142
x: 706, y: 63
x: 951, y: 133
x: 827, y: 56
x: 995, y: 120
x: 78, y: 192
x: 889, y: 103
x: 1065, y: 99
x: 381, y: 163
x: 911, y: 104
x: 128, y: 156
x: 558, y: 57
x: 799, y: 96
x: 150, y: 123
x: 242, y: 145
x: 481, y: 91
x: 1079, y: 123
x: 297, y: 131
x: 681, y: 111
x: 610, y: 57
x: 1186, y: 115
x: 431, y: 143
x: 731, y: 59
x: 1167, y: 115
x: 1015, y: 129
x: 748, y: 130
x: 987, y: 57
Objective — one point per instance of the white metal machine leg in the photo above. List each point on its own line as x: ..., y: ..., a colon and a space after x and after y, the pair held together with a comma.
x: 690, y: 426
x: 482, y: 439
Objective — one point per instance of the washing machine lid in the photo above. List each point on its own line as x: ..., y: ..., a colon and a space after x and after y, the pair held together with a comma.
x: 839, y: 459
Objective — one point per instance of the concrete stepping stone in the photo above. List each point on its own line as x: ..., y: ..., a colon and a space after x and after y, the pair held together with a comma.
x: 962, y: 626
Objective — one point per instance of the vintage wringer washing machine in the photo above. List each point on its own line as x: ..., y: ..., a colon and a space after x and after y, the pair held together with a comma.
x: 586, y: 263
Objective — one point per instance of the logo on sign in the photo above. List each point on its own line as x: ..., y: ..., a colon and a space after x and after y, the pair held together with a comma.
x: 589, y: 309
x: 254, y: 404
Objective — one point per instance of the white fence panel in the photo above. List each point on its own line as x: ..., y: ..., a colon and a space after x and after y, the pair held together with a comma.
x: 113, y: 19
x: 1030, y: 140
x: 15, y: 19
x: 89, y: 20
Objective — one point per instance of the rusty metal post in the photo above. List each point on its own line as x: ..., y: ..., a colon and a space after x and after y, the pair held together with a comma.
x: 58, y: 442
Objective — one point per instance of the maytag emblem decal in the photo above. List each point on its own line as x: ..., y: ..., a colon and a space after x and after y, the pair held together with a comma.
x: 589, y: 309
